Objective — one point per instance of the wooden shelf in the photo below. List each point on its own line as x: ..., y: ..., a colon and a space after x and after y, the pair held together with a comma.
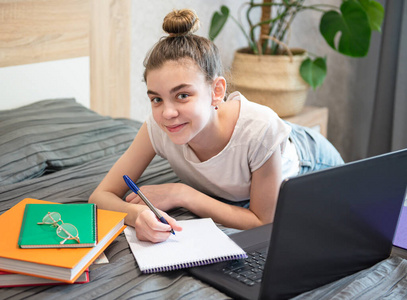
x: 312, y: 117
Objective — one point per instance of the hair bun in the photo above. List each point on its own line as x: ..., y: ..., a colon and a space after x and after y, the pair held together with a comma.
x: 181, y: 22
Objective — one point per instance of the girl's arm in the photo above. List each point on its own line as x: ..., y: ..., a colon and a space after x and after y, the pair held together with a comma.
x: 263, y: 198
x: 108, y: 195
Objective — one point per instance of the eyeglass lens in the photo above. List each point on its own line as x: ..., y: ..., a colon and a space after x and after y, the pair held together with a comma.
x: 51, y: 218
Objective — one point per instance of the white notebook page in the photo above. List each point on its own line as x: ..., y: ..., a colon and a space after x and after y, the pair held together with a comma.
x: 200, y: 242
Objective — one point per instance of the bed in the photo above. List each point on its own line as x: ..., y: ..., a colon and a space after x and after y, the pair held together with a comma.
x: 59, y: 150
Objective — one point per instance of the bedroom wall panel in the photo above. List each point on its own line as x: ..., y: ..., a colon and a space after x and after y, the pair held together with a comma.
x: 27, y: 35
x: 110, y: 57
x: 37, y: 31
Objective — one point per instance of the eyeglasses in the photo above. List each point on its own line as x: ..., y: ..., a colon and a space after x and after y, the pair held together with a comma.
x: 65, y: 231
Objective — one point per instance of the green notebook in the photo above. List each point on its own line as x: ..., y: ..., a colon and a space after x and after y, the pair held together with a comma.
x: 82, y: 216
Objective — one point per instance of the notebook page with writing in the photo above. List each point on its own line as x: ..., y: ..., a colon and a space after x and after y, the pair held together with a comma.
x: 200, y: 242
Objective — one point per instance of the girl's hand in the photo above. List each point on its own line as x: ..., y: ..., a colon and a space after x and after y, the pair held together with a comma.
x: 162, y: 196
x: 149, y: 228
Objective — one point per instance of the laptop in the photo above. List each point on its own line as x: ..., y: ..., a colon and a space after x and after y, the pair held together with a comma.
x: 328, y: 224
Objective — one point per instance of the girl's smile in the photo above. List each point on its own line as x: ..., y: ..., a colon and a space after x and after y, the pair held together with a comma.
x: 175, y: 128
x: 181, y: 100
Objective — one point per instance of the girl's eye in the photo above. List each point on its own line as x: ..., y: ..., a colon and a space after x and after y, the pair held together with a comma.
x: 156, y: 100
x: 182, y: 96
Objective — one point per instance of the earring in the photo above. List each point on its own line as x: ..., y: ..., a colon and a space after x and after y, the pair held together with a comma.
x: 216, y: 107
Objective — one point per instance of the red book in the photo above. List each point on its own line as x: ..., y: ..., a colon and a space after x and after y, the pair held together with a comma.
x: 8, y: 279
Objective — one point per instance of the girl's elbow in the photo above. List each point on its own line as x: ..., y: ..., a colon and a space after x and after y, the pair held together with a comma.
x: 93, y: 198
x: 256, y: 223
x: 263, y: 221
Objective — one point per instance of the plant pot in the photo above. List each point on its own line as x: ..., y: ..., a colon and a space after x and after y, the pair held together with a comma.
x: 271, y: 80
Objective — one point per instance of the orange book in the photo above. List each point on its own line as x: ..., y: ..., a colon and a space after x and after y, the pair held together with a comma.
x: 62, y: 264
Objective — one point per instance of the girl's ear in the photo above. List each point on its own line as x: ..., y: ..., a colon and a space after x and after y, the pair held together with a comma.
x: 218, y: 90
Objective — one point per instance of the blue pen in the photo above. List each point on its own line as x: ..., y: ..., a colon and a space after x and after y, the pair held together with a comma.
x: 135, y: 189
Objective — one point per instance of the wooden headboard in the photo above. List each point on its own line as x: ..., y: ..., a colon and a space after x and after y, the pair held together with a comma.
x: 33, y: 31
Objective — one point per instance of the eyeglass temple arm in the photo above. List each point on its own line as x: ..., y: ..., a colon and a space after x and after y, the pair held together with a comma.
x: 70, y: 236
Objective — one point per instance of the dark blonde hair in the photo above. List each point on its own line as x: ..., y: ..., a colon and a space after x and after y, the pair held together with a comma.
x: 182, y: 43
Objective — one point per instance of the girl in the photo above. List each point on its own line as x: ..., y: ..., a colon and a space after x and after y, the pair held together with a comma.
x: 233, y: 150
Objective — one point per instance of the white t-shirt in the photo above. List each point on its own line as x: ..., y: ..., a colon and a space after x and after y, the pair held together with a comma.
x: 257, y: 134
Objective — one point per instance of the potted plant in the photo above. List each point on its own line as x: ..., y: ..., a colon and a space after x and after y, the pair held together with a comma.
x: 347, y: 29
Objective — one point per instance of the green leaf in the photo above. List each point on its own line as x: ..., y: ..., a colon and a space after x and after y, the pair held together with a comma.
x: 375, y: 13
x: 353, y: 28
x: 313, y: 71
x: 219, y: 19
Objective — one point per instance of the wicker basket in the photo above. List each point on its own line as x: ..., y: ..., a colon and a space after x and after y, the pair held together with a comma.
x: 271, y: 80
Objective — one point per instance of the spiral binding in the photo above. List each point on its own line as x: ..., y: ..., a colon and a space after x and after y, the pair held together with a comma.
x: 193, y: 263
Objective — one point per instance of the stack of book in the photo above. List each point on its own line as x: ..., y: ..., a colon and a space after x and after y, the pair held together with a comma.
x: 35, y: 250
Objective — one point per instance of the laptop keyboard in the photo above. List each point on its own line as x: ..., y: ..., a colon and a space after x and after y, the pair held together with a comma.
x: 248, y: 270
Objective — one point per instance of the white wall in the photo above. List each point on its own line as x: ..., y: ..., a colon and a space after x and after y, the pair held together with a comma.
x: 24, y: 84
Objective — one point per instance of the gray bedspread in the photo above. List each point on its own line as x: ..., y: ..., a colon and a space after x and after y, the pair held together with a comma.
x: 121, y: 277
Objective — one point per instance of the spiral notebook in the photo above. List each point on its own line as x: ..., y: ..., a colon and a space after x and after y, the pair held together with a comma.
x: 83, y: 216
x: 200, y: 242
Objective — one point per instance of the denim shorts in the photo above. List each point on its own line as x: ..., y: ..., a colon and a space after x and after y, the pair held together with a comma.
x: 314, y: 151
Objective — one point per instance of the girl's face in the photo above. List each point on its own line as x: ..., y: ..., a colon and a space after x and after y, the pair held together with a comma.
x: 181, y: 100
